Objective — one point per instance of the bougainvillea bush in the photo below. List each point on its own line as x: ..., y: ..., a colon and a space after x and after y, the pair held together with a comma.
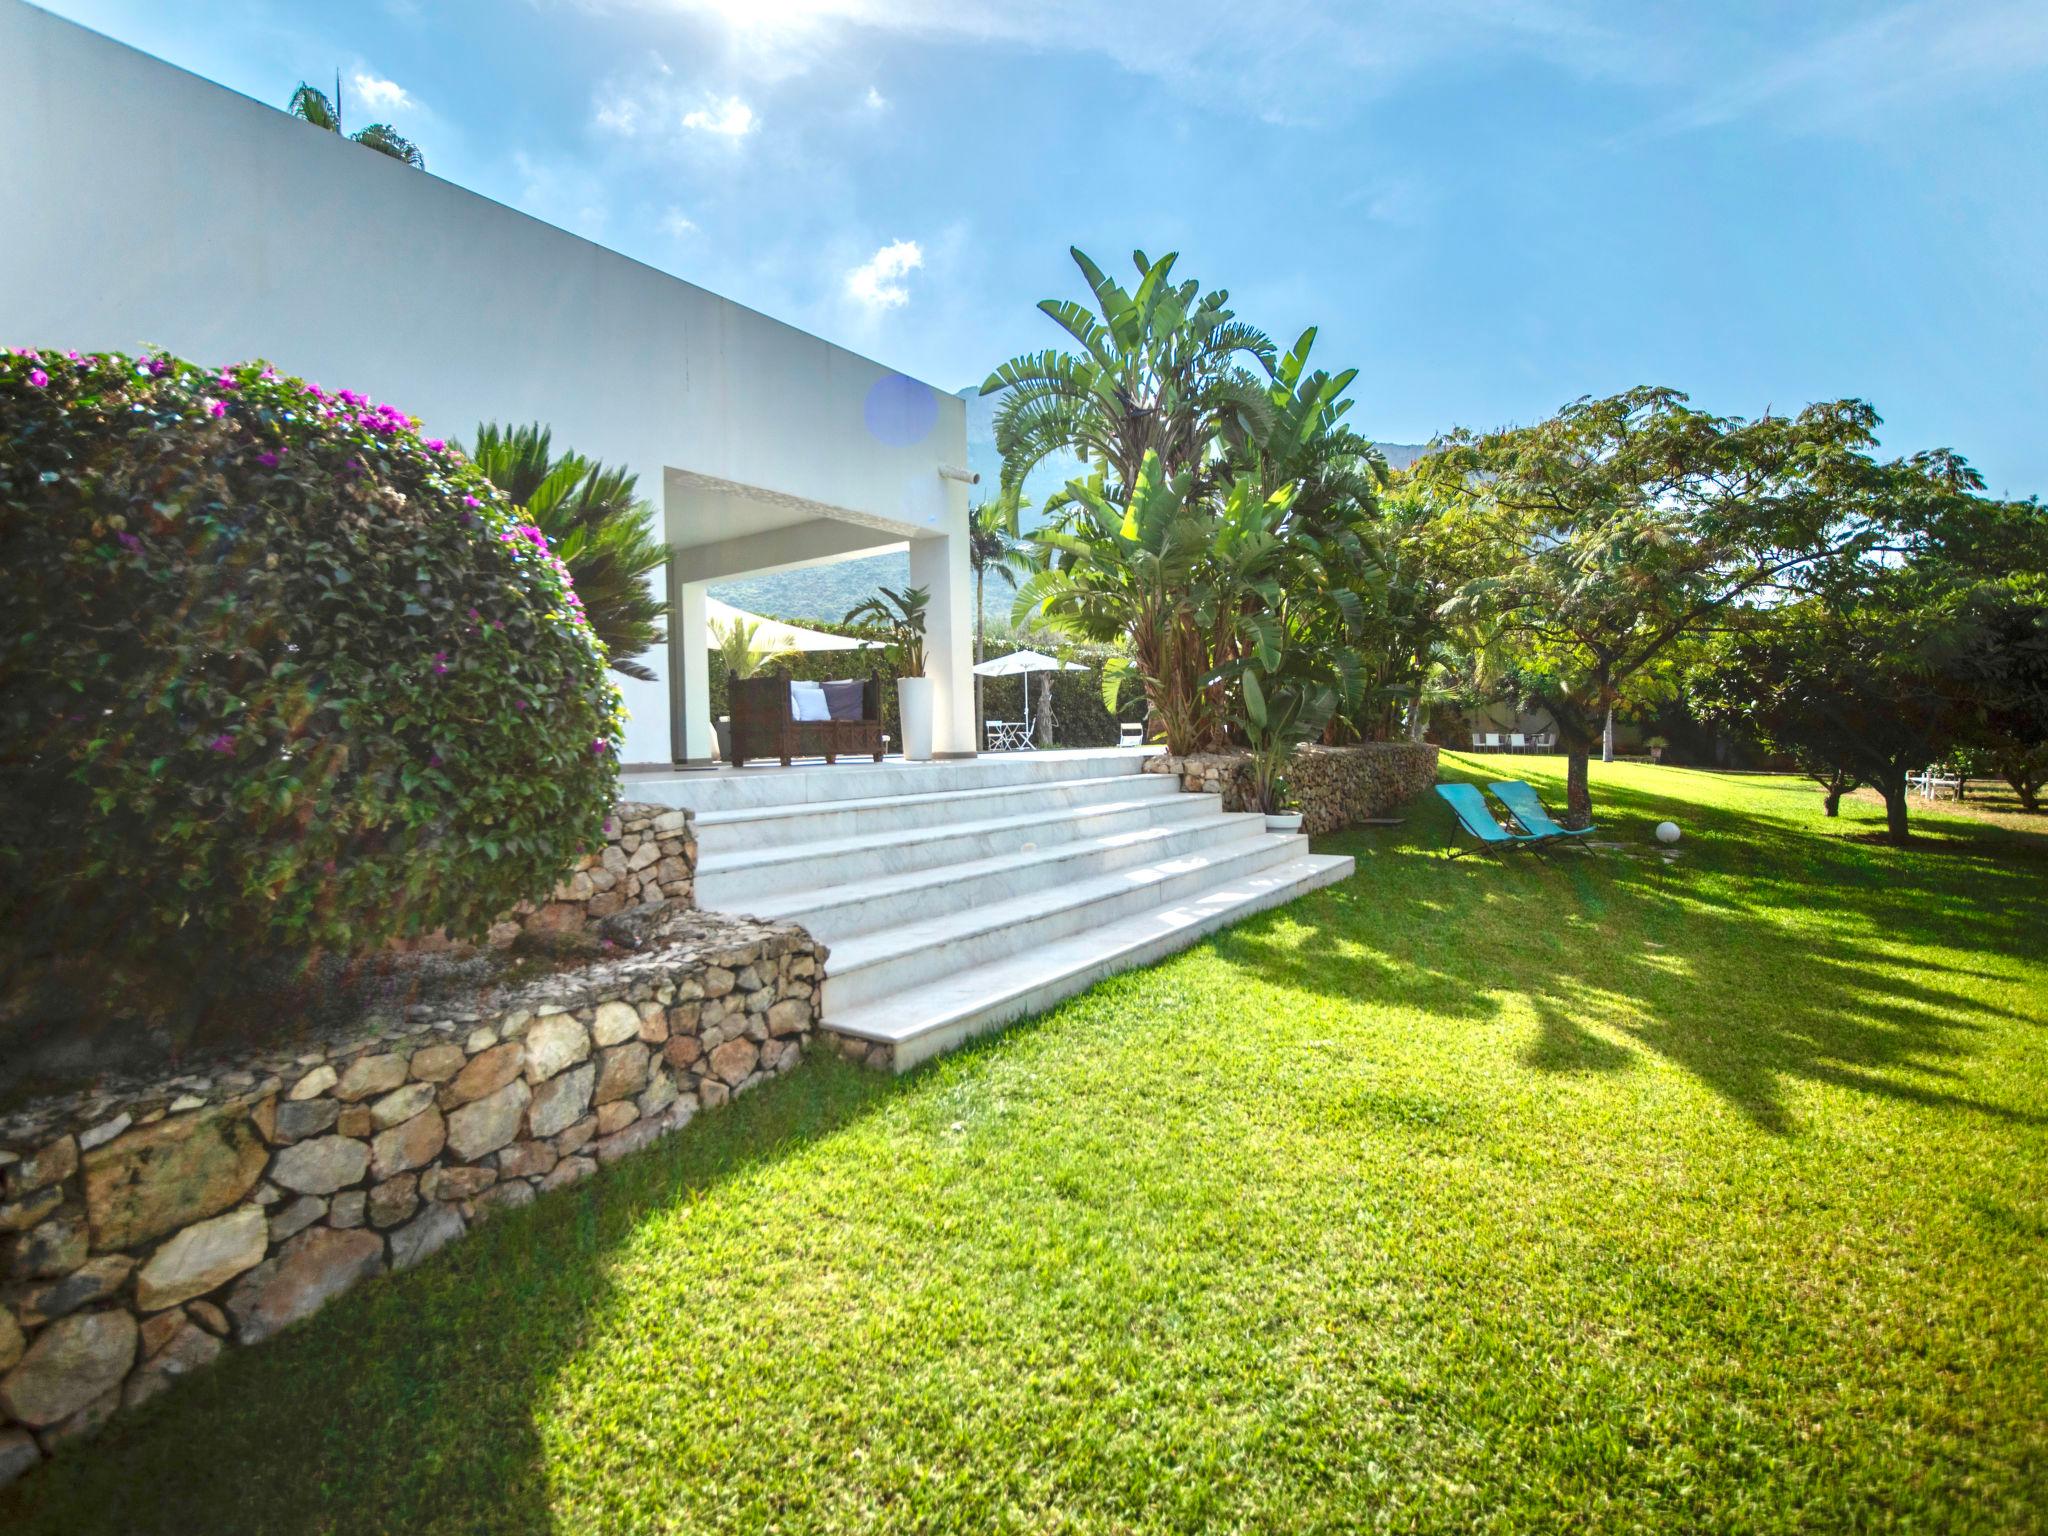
x: 278, y: 674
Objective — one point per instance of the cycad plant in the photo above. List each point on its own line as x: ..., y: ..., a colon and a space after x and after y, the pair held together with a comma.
x: 594, y: 519
x: 737, y: 653
x: 313, y: 105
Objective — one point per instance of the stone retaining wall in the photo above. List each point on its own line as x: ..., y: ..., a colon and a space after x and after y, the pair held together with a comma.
x: 1335, y: 787
x: 144, y: 1227
x: 650, y: 855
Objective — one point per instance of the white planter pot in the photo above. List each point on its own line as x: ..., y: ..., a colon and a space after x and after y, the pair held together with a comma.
x: 1283, y: 821
x: 914, y: 705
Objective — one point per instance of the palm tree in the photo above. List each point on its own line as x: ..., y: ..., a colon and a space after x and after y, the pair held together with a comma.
x: 595, y: 520
x: 1158, y: 373
x: 993, y: 544
x: 312, y: 105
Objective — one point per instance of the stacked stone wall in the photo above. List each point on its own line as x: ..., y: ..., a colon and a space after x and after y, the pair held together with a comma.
x: 145, y: 1227
x: 1334, y: 787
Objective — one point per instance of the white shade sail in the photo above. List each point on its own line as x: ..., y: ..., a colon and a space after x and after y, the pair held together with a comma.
x: 773, y: 635
x: 1026, y: 661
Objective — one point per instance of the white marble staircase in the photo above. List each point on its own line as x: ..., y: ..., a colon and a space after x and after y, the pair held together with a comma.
x: 958, y: 896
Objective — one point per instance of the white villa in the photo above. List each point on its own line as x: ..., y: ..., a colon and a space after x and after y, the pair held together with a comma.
x: 955, y: 895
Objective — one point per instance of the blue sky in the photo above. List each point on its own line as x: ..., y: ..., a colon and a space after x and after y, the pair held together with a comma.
x: 1489, y: 206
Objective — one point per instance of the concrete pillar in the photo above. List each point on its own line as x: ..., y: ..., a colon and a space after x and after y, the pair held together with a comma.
x: 690, y: 669
x: 941, y: 564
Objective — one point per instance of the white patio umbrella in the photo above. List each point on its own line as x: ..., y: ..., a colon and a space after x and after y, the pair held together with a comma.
x: 773, y: 635
x: 1019, y: 663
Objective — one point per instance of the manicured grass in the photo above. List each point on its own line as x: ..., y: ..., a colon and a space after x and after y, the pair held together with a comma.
x: 1592, y: 1192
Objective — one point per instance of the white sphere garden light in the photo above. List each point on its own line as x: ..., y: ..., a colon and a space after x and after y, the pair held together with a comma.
x: 1667, y: 831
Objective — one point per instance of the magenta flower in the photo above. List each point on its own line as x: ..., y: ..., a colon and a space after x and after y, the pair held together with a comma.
x: 436, y: 444
x: 159, y: 366
x: 37, y: 379
x: 520, y: 705
x: 268, y: 459
x: 228, y: 382
x: 471, y: 501
x: 129, y: 541
x: 216, y: 409
x: 223, y: 743
x: 597, y: 747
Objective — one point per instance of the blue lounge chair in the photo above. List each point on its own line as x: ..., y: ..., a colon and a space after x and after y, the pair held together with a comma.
x: 1470, y: 808
x: 1523, y: 805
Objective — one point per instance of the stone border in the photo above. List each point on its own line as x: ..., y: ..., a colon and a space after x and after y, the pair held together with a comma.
x: 1335, y: 787
x: 205, y: 1211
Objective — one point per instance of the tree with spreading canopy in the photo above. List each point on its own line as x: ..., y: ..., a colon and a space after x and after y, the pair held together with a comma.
x: 1616, y: 528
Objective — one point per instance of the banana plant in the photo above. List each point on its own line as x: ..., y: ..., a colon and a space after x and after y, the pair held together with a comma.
x: 1160, y: 370
x: 901, y: 616
x: 1282, y: 707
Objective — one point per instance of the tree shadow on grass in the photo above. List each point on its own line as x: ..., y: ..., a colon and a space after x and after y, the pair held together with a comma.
x: 415, y: 1401
x: 1717, y: 966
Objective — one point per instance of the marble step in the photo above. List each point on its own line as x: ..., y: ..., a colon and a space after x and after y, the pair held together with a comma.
x: 727, y: 881
x: 726, y: 832
x: 922, y: 1021
x: 870, y: 967
x: 734, y: 789
x: 895, y: 901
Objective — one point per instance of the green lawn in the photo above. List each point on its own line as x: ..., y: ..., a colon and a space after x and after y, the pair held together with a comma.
x: 1593, y: 1192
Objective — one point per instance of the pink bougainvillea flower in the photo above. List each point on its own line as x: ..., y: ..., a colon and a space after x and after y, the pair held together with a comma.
x: 216, y: 408
x: 520, y: 705
x: 159, y: 366
x: 436, y: 444
x: 228, y: 382
x: 471, y: 501
x: 37, y: 379
x: 223, y: 743
x: 129, y: 541
x: 599, y: 747
x: 267, y: 459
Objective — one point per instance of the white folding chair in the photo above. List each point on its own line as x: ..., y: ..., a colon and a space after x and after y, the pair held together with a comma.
x: 1517, y: 742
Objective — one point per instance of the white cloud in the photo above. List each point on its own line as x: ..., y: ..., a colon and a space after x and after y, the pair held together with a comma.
x: 1861, y: 74
x: 378, y: 94
x: 677, y: 225
x: 1285, y: 58
x: 648, y: 103
x: 877, y: 102
x: 877, y: 282
x: 728, y: 117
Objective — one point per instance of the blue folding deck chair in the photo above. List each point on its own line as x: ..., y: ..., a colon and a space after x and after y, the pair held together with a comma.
x: 1524, y: 806
x: 1469, y: 806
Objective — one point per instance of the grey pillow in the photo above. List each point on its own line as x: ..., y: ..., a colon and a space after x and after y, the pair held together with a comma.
x: 844, y: 700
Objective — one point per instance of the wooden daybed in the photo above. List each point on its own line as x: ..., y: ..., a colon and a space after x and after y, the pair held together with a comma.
x: 763, y: 725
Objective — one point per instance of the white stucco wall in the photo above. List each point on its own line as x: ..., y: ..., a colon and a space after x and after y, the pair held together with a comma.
x: 148, y: 206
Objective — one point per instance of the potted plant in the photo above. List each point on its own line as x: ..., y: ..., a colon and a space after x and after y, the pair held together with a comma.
x: 901, y: 616
x: 1281, y: 709
x: 1657, y: 744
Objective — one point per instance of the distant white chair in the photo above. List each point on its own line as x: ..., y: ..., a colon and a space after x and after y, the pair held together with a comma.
x: 1479, y: 741
x: 1517, y: 742
x: 1006, y: 736
x: 1543, y: 741
x: 1131, y: 733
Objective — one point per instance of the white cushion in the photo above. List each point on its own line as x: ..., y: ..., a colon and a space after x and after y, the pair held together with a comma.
x: 807, y: 702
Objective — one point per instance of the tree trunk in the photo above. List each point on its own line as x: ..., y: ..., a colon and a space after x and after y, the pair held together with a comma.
x: 1831, y: 801
x: 1418, y: 719
x: 1893, y: 787
x: 1578, y: 794
x: 1607, y: 737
